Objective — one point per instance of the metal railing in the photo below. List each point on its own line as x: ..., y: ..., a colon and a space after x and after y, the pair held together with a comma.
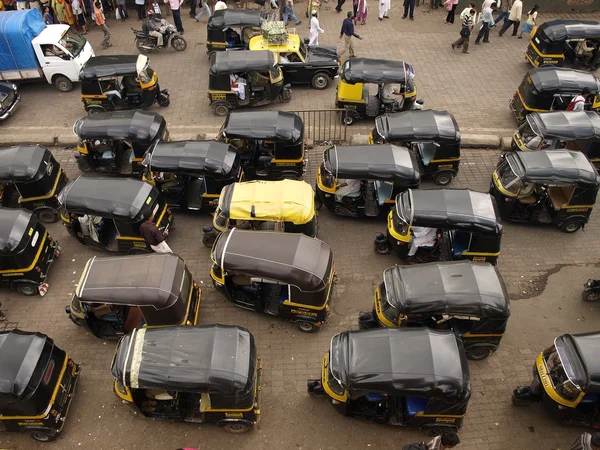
x: 324, y: 125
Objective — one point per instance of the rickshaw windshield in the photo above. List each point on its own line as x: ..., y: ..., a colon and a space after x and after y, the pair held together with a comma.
x: 275, y: 73
x: 509, y: 180
x: 220, y: 220
x: 327, y: 178
x: 562, y: 376
x: 146, y: 75
x: 529, y: 138
x: 389, y: 311
x: 73, y: 42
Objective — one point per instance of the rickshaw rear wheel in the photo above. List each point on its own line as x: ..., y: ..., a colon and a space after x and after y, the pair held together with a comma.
x: 285, y: 97
x: 589, y: 296
x: 477, y: 354
x: 220, y: 109
x: 570, y: 226
x: 236, y: 428
x: 383, y: 248
x: 63, y: 84
x: 41, y: 436
x: 178, y: 43
x: 26, y: 289
x: 348, y: 118
x: 83, y: 165
x: 320, y: 81
x: 47, y: 216
x: 442, y: 178
x: 163, y: 101
x: 307, y: 327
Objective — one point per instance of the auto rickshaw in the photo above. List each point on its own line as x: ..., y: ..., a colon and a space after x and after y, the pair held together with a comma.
x: 573, y: 43
x: 432, y: 135
x: 120, y: 82
x: 547, y: 186
x: 196, y: 374
x: 30, y: 178
x: 26, y: 252
x: 191, y: 174
x: 353, y: 88
x: 115, y: 295
x: 566, y: 380
x: 413, y: 377
x: 271, y: 143
x: 244, y: 78
x: 294, y: 279
x: 285, y: 206
x: 443, y: 225
x: 232, y: 28
x: 363, y: 180
x: 465, y: 297
x: 115, y: 142
x: 106, y: 213
x: 38, y: 385
x: 551, y: 89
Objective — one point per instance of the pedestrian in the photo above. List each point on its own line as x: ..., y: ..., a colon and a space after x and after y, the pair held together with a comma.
x: 465, y: 32
x: 384, y: 9
x: 34, y: 4
x: 193, y: 4
x: 288, y: 12
x: 2, y: 315
x: 204, y: 9
x: 578, y: 102
x: 9, y: 5
x: 362, y: 12
x: 78, y: 11
x: 21, y: 5
x: 220, y: 5
x: 315, y: 29
x: 48, y: 19
x: 530, y: 22
x: 122, y: 9
x: 140, y: 5
x: 587, y: 441
x: 340, y: 3
x: 487, y: 22
x: 101, y: 22
x: 467, y: 11
x: 514, y: 18
x: 153, y: 236
x: 409, y: 9
x: 486, y: 4
x: 175, y: 5
x: 505, y: 6
x: 348, y: 32
x: 355, y: 9
x: 451, y: 6
x: 68, y: 12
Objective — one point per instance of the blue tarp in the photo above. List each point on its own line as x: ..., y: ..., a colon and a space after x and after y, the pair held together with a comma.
x: 17, y: 29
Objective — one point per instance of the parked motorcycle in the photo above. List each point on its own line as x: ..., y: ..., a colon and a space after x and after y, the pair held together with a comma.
x: 591, y: 291
x: 146, y: 43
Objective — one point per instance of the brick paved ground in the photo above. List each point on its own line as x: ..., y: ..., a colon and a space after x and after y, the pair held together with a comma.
x: 475, y: 88
x: 291, y: 419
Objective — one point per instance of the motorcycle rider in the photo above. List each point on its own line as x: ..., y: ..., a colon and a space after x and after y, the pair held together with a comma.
x: 155, y: 27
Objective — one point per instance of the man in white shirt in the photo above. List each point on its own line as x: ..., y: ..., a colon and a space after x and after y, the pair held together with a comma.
x: 315, y: 29
x: 422, y: 237
x: 220, y: 5
x: 514, y: 18
x: 347, y: 187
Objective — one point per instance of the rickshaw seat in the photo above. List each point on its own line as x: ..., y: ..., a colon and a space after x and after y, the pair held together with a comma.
x: 427, y: 151
x: 460, y: 242
x: 108, y: 154
x: 354, y: 194
x: 374, y: 397
x: 415, y: 405
x: 559, y: 196
x: 383, y: 191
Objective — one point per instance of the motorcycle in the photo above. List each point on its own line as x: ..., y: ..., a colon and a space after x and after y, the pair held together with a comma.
x: 146, y: 43
x: 591, y: 291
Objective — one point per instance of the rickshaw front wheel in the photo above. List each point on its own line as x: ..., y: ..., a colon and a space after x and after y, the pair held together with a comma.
x: 442, y: 178
x: 285, y: 97
x: 47, y: 216
x: 163, y: 101
x: 307, y: 327
x: 236, y: 428
x: 83, y: 165
x: 320, y: 81
x: 383, y: 248
x: 42, y: 436
x: 26, y: 289
x: 589, y: 296
x: 477, y: 354
x: 178, y: 43
x: 570, y: 226
x: 220, y: 109
x: 63, y: 84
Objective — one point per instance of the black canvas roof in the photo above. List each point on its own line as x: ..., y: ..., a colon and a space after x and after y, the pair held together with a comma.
x: 566, y: 124
x: 236, y: 17
x: 137, y: 126
x: 241, y: 61
x: 195, y: 157
x: 23, y: 163
x: 108, y: 66
x: 13, y: 226
x: 401, y: 361
x: 363, y: 70
x: 560, y: 30
x: 550, y: 80
x: 554, y: 167
x: 454, y: 288
x: 581, y: 351
x: 418, y: 125
x: 279, y: 126
x: 217, y: 359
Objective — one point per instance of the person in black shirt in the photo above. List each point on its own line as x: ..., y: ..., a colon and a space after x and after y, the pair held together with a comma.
x: 347, y: 32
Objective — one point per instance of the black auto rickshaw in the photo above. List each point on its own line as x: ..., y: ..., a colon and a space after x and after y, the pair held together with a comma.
x: 443, y: 225
x: 364, y: 180
x: 566, y: 380
x: 232, y: 28
x: 547, y: 186
x: 106, y: 213
x: 552, y: 88
x: 115, y: 142
x: 30, y: 178
x: 286, y: 206
x: 26, y: 252
x: 115, y: 295
x: 353, y: 88
x: 432, y: 135
x: 117, y: 82
x: 465, y: 297
x: 245, y: 78
x: 196, y: 374
x: 413, y: 377
x: 38, y: 385
x: 271, y: 143
x: 294, y: 279
x: 567, y: 43
x: 191, y: 174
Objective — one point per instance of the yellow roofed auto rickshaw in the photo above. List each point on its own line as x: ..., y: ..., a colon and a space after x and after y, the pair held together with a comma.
x: 552, y: 88
x: 465, y: 297
x: 413, y: 377
x: 443, y: 225
x: 573, y: 43
x: 115, y: 142
x: 433, y: 136
x: 106, y: 213
x: 271, y: 143
x: 38, y: 385
x: 191, y: 174
x: 244, y: 78
x: 31, y: 178
x: 118, y: 82
x: 232, y: 28
x: 195, y: 374
x: 566, y: 380
x: 364, y: 180
x: 294, y: 279
x: 26, y: 252
x: 285, y: 205
x: 393, y: 79
x: 547, y: 186
x: 117, y: 294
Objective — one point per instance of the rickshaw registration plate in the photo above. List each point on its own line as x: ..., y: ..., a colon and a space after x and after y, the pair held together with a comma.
x: 218, y: 96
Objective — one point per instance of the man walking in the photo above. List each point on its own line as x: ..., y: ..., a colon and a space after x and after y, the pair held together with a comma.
x: 384, y: 8
x: 505, y: 6
x: 175, y: 5
x: 409, y: 9
x: 315, y: 29
x: 154, y: 237
x: 465, y: 32
x: 204, y: 9
x: 347, y: 32
x: 102, y: 24
x: 338, y: 8
x: 288, y: 12
x: 514, y: 18
x: 487, y: 22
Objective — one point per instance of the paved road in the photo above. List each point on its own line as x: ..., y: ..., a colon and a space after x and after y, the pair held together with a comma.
x: 475, y: 88
x: 291, y: 419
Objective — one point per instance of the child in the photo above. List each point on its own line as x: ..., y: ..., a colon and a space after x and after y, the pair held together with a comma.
x: 530, y: 23
x: 102, y: 23
x: 48, y: 20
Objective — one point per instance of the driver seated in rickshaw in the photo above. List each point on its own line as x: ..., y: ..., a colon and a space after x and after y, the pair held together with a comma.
x: 586, y: 49
x: 527, y: 195
x: 388, y: 91
x: 347, y: 188
x: 103, y: 312
x: 238, y: 85
x: 422, y: 237
x: 232, y: 37
x: 266, y: 152
x: 112, y: 92
x: 131, y: 85
x: 166, y: 181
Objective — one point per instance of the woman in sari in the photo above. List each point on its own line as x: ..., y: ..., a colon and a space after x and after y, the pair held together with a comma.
x: 68, y: 11
x: 361, y: 12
